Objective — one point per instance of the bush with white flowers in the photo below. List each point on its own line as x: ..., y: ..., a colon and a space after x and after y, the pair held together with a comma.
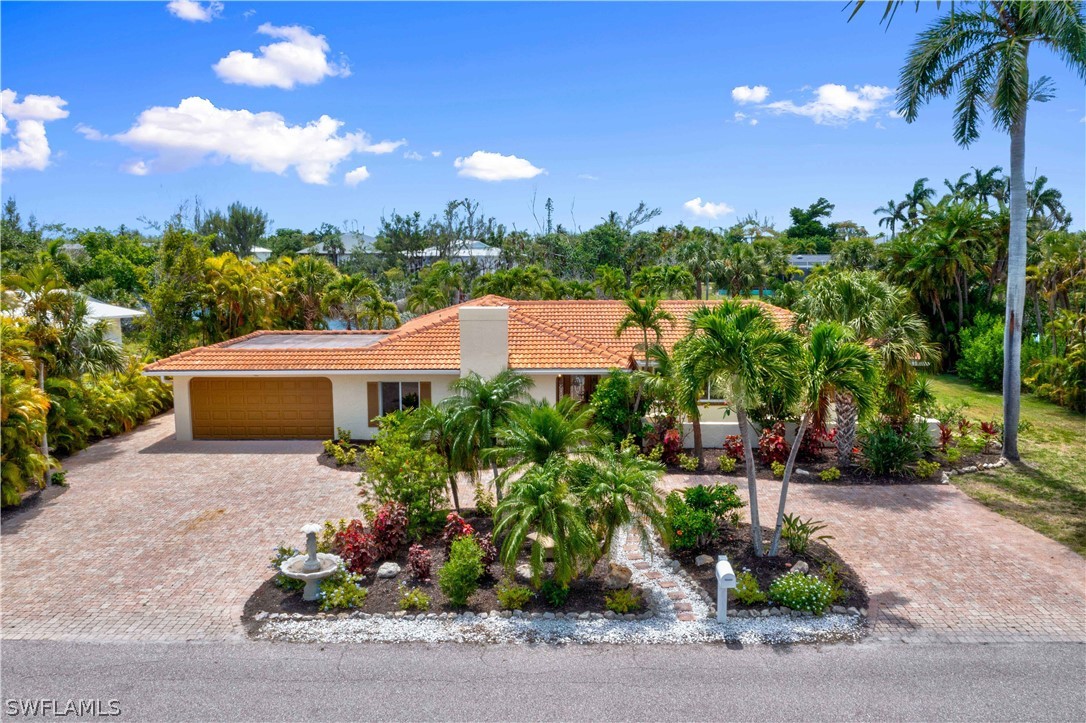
x: 800, y: 591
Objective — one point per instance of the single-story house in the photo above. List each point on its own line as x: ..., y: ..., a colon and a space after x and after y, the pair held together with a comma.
x: 112, y: 315
x: 484, y: 256
x: 350, y: 242
x: 305, y: 384
x: 260, y: 253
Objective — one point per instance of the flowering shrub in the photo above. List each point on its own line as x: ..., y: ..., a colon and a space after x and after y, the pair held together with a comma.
x: 693, y: 515
x: 800, y: 591
x: 814, y: 442
x: 687, y: 462
x: 419, y: 561
x: 455, y: 528
x: 490, y: 551
x: 341, y: 591
x: 733, y: 447
x: 925, y: 469
x: 953, y: 455
x: 282, y: 554
x: 771, y: 445
x: 484, y: 500
x: 413, y: 598
x: 512, y: 596
x: 554, y: 593
x: 747, y: 590
x: 673, y: 445
x: 389, y: 529
x: 355, y: 546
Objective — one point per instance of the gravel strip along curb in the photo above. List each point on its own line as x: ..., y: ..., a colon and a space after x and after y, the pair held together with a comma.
x: 680, y: 612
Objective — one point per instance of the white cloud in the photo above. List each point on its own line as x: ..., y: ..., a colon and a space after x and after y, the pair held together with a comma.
x: 744, y: 118
x: 835, y: 104
x: 705, y: 209
x: 248, y: 13
x: 91, y: 134
x: 301, y: 58
x: 435, y: 154
x: 487, y: 166
x: 193, y: 11
x: 355, y: 177
x: 747, y: 94
x: 754, y: 121
x: 587, y: 177
x: 30, y: 116
x: 382, y: 147
x: 196, y: 131
x: 136, y: 168
x: 412, y: 155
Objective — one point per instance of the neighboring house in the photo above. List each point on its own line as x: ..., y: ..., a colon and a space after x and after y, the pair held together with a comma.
x: 486, y: 257
x: 806, y: 262
x: 306, y: 384
x: 112, y: 315
x: 351, y: 242
x: 260, y: 253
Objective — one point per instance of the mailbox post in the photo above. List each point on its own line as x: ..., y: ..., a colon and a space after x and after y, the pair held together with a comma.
x: 725, y: 578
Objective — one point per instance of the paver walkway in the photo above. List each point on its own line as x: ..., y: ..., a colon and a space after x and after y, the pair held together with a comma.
x: 939, y: 566
x: 156, y: 540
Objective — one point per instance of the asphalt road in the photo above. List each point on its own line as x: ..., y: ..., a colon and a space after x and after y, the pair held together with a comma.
x: 264, y: 681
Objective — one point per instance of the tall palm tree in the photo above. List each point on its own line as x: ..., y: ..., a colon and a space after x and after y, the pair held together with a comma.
x: 437, y: 423
x: 893, y: 213
x: 619, y: 488
x: 482, y: 406
x: 345, y: 298
x: 610, y: 282
x: 664, y: 385
x: 982, y: 53
x: 833, y: 364
x: 540, y: 501
x: 916, y: 199
x: 539, y: 432
x: 310, y: 276
x: 740, y: 345
x: 645, y: 314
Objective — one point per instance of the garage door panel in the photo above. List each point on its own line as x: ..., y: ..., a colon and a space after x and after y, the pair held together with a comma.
x: 267, y: 408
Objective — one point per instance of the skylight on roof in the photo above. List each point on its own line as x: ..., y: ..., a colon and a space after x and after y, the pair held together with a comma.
x: 309, y: 341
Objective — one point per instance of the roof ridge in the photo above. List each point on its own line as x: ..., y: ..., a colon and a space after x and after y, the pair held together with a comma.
x: 566, y: 335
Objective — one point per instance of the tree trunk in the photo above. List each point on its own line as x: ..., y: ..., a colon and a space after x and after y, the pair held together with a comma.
x: 455, y: 492
x: 788, y: 467
x: 1016, y: 286
x: 845, y: 407
x: 45, y: 433
x: 699, y: 452
x: 497, y: 487
x: 752, y: 482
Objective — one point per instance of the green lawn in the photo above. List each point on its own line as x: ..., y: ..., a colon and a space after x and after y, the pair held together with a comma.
x: 1047, y: 489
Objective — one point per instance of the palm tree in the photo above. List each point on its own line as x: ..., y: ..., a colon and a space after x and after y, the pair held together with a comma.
x: 540, y: 501
x: 619, y: 488
x: 833, y: 364
x: 437, y: 424
x: 310, y: 276
x: 346, y: 297
x: 917, y: 198
x: 982, y: 53
x: 740, y: 345
x: 482, y: 406
x: 645, y: 314
x: 662, y: 383
x: 893, y: 213
x: 539, y: 432
x: 610, y: 281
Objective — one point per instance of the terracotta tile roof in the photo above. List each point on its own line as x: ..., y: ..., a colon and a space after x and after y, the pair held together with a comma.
x: 542, y: 335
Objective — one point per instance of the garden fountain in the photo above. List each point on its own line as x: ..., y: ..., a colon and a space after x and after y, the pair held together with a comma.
x: 311, y: 567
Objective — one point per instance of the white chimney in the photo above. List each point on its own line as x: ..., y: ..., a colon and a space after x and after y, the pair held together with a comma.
x: 484, y: 340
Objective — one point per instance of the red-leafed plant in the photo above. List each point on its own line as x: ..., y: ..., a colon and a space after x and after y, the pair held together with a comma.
x: 733, y: 447
x: 673, y: 446
x: 946, y: 434
x: 814, y: 443
x: 455, y: 528
x: 991, y: 432
x: 389, y: 529
x: 771, y: 445
x: 490, y: 551
x: 419, y: 561
x: 355, y: 546
x: 964, y: 427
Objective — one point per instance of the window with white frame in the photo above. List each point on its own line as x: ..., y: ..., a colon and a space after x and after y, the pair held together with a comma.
x: 396, y: 396
x: 714, y: 393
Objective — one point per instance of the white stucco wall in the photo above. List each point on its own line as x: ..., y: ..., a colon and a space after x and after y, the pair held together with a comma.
x: 182, y: 409
x: 484, y: 340
x: 543, y: 387
x: 113, y: 331
x: 351, y: 403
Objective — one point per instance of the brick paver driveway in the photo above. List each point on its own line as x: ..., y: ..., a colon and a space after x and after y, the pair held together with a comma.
x: 156, y: 540
x: 939, y: 566
x: 160, y: 540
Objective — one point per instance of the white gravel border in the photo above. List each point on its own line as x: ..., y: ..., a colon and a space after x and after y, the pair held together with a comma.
x: 658, y: 626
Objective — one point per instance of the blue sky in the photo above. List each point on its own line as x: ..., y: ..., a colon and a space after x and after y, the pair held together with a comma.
x: 596, y: 105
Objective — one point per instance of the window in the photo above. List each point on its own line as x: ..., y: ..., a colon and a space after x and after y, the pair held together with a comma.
x: 578, y: 386
x: 399, y: 395
x: 714, y: 393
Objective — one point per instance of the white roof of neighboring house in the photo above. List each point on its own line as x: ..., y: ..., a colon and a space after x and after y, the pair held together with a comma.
x: 351, y: 241
x: 260, y: 250
x: 469, y: 250
x: 101, y: 310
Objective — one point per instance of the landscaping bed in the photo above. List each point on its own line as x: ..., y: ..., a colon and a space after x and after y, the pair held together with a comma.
x: 734, y: 543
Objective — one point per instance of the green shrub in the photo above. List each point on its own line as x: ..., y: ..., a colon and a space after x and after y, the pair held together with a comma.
x: 512, y: 596
x: 484, y: 500
x: 459, y: 577
x: 981, y: 359
x: 727, y: 465
x: 829, y: 475
x: 343, y: 436
x: 953, y: 455
x: 925, y: 469
x: 798, y: 532
x: 554, y: 593
x: 413, y: 598
x: 747, y: 590
x: 690, y: 527
x: 778, y: 469
x: 831, y: 575
x: 341, y: 591
x: 687, y: 462
x: 282, y: 554
x: 623, y: 601
x: 656, y: 454
x: 400, y: 467
x: 613, y: 405
x: 800, y: 591
x: 888, y: 451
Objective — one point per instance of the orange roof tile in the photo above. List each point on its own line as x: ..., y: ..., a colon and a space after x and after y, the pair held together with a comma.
x: 542, y: 335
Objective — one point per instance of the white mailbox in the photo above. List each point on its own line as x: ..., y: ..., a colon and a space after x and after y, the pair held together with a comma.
x: 725, y: 578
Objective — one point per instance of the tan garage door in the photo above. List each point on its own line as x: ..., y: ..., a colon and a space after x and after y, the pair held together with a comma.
x: 267, y: 408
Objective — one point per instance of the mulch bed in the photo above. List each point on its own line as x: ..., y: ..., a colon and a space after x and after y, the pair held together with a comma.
x: 586, y: 594
x: 854, y: 475
x: 734, y: 542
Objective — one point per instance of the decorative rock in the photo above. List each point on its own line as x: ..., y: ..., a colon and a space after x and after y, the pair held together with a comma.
x: 506, y: 613
x: 629, y: 616
x: 609, y: 615
x: 536, y: 616
x: 839, y: 609
x: 401, y: 614
x: 863, y: 612
x: 583, y: 616
x: 524, y: 572
x: 260, y: 616
x: 802, y: 472
x: 483, y: 616
x: 431, y: 616
x: 518, y: 613
x: 469, y: 615
x: 785, y: 610
x: 548, y: 616
x: 647, y: 615
x: 703, y: 560
x: 618, y: 577
x: 674, y: 565
x: 800, y: 566
x: 853, y: 611
x: 545, y: 542
x: 388, y: 570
